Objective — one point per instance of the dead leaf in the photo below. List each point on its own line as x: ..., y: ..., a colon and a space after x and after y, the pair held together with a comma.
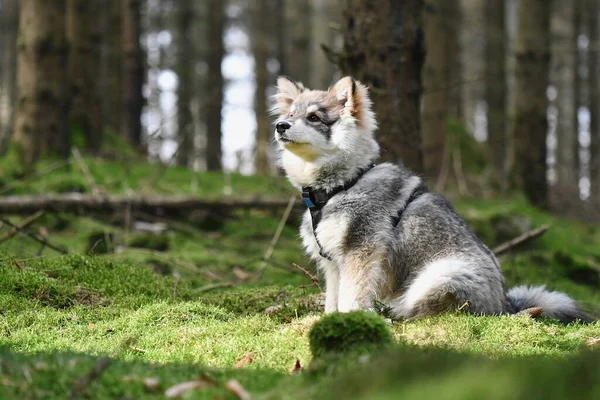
x: 533, y: 312
x: 91, y: 326
x: 273, y: 309
x: 593, y: 342
x: 43, y: 232
x: 246, y: 360
x: 297, y: 367
x: 241, y: 274
x: 237, y: 389
x: 181, y: 388
x: 18, y: 265
x: 151, y: 384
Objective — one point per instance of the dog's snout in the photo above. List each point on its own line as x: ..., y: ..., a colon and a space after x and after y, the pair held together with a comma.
x: 282, y: 126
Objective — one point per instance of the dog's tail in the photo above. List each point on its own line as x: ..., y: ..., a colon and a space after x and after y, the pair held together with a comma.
x: 555, y: 304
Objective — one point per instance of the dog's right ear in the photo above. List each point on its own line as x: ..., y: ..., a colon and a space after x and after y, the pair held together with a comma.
x: 287, y: 91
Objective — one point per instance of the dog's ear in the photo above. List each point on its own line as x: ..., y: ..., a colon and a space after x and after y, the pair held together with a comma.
x: 287, y: 91
x: 354, y: 99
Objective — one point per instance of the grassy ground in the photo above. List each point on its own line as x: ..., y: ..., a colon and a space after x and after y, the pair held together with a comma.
x: 161, y: 317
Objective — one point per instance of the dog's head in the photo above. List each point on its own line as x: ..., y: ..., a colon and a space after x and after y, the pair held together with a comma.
x: 318, y: 127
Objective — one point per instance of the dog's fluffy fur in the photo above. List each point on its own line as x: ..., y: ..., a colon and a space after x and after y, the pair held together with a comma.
x: 427, y: 262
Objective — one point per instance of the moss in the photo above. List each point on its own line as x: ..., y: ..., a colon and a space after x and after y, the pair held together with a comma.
x: 70, y: 184
x: 150, y: 241
x: 356, y: 331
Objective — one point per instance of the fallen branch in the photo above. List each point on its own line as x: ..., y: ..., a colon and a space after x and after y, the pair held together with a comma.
x: 312, y: 277
x: 34, y: 237
x: 83, y: 384
x: 527, y: 236
x: 82, y: 203
x: 22, y: 225
x: 213, y: 286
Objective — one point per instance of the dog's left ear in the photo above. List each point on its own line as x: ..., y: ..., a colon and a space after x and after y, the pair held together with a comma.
x: 287, y: 91
x: 354, y: 99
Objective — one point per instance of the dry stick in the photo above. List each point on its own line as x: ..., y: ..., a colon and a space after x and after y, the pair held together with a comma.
x: 313, y: 278
x: 22, y: 225
x: 275, y: 239
x: 213, y: 286
x: 84, y: 382
x: 34, y: 237
x: 86, y: 171
x: 527, y: 236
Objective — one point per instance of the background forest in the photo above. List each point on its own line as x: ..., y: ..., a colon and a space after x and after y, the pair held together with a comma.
x: 148, y: 241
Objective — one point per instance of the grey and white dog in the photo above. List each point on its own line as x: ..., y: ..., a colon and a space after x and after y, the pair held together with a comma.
x: 376, y: 232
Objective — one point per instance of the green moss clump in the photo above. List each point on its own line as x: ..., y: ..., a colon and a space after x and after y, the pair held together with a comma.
x: 150, y: 241
x: 352, y: 332
x: 69, y: 184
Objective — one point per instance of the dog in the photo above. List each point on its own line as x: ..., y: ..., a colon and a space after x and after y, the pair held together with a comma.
x: 376, y: 232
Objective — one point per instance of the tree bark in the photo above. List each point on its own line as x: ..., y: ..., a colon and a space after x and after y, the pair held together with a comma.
x: 9, y: 22
x: 565, y: 31
x: 132, y: 72
x: 531, y: 125
x: 299, y: 20
x: 594, y: 84
x: 41, y: 115
x: 261, y: 52
x: 495, y: 89
x: 186, y: 58
x: 84, y: 36
x: 214, y: 85
x: 440, y: 42
x: 111, y: 68
x: 384, y: 48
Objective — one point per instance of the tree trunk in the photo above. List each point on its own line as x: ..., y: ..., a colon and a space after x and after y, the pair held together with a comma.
x: 594, y: 70
x: 440, y: 42
x: 383, y: 48
x: 280, y: 29
x: 299, y: 20
x: 83, y: 33
x: 132, y: 77
x: 185, y: 60
x: 261, y: 52
x: 41, y: 115
x: 9, y: 22
x: 110, y: 67
x: 531, y: 125
x: 565, y: 31
x: 214, y: 85
x: 495, y: 89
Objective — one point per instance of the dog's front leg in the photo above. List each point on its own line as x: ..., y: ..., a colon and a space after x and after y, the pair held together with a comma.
x: 332, y: 285
x: 360, y: 283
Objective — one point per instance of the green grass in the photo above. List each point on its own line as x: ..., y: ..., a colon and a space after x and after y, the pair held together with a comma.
x: 149, y: 304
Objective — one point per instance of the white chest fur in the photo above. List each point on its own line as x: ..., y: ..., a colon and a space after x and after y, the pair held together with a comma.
x: 330, y: 232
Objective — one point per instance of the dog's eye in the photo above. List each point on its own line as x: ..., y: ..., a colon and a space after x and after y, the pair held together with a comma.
x: 313, y: 118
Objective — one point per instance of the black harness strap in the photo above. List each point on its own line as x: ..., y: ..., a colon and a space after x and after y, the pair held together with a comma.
x: 316, y: 199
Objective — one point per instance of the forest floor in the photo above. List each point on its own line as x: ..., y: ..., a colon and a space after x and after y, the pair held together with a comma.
x: 131, y: 315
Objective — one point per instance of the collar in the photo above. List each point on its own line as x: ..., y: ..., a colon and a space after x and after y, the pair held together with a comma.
x: 315, y: 199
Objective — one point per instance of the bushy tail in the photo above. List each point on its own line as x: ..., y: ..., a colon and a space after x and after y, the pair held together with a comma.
x: 555, y: 304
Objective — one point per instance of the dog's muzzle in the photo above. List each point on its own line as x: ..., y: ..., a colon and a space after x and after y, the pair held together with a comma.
x: 282, y: 126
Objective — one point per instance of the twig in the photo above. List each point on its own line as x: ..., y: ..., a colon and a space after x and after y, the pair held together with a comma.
x: 34, y: 237
x: 22, y: 225
x: 313, y: 278
x: 84, y: 382
x: 210, y: 287
x: 527, y: 236
x: 276, y: 236
x: 86, y: 171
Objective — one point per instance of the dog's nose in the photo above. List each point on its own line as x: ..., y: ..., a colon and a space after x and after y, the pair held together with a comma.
x: 282, y: 126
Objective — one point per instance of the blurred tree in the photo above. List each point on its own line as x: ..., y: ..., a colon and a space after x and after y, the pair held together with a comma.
x: 110, y: 66
x: 260, y: 40
x: 593, y: 70
x: 324, y: 12
x: 185, y: 63
x: 531, y: 125
x: 495, y: 89
x: 280, y: 31
x: 84, y: 35
x: 439, y: 73
x: 41, y: 114
x: 9, y: 21
x: 384, y: 48
x: 566, y: 18
x: 298, y: 17
x: 214, y: 84
x: 132, y: 72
